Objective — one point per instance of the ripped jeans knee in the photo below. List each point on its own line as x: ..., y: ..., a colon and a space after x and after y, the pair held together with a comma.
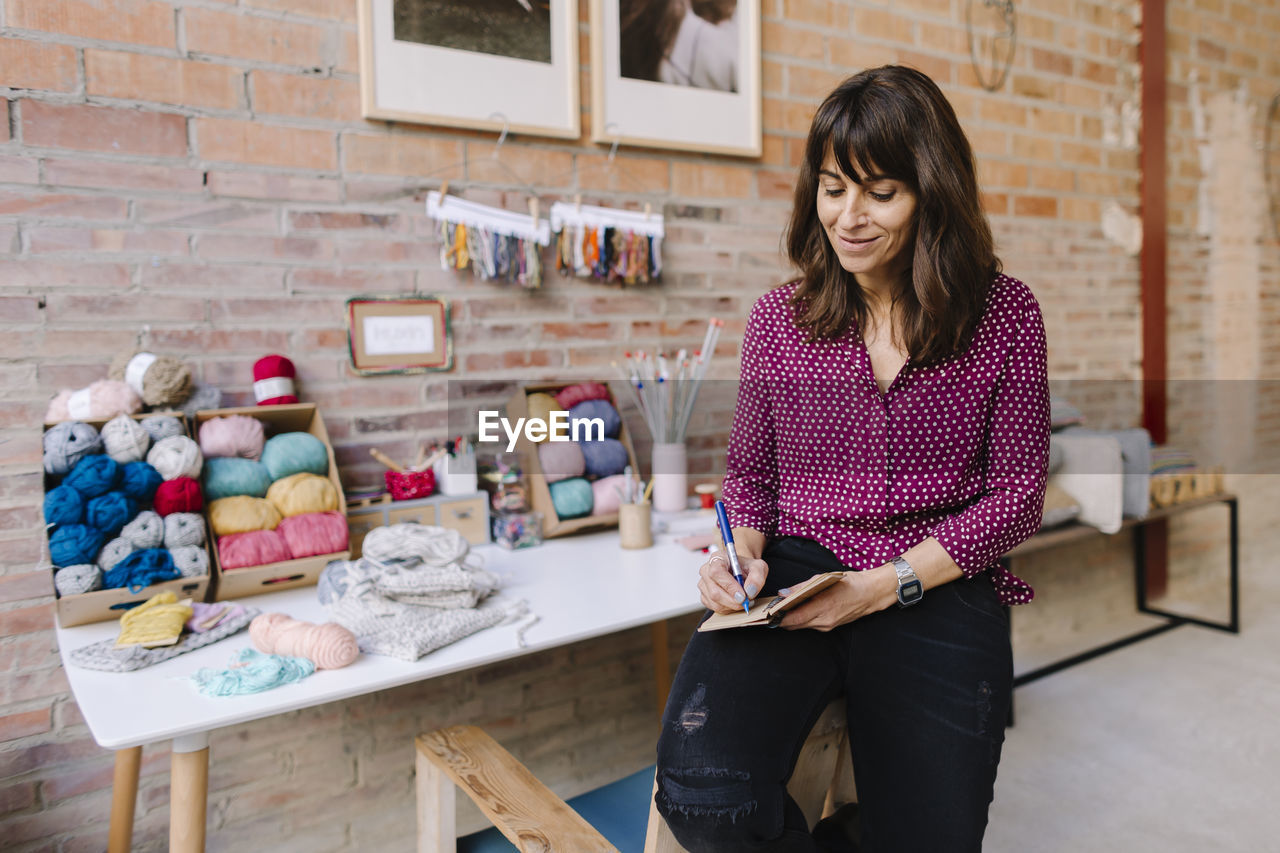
x: 709, y: 809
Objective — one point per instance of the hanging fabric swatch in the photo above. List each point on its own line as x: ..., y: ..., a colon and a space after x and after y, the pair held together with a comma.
x: 606, y: 245
x: 497, y: 244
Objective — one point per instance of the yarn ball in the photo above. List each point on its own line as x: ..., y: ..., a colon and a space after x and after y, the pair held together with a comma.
x: 109, y: 513
x: 235, y: 435
x: 592, y: 409
x: 561, y: 460
x: 295, y: 453
x: 303, y: 493
x: 541, y: 406
x: 160, y: 380
x: 140, y: 570
x: 139, y: 481
x: 605, y: 497
x: 314, y: 533
x: 182, y: 529
x: 203, y: 398
x: 125, y: 440
x: 605, y: 457
x: 73, y: 544
x: 145, y: 531
x: 180, y: 495
x: 569, y: 397
x: 252, y: 548
x: 328, y: 646
x: 113, y: 552
x: 63, y: 505
x: 176, y: 456
x: 242, y: 515
x: 571, y: 498
x: 100, y: 401
x: 76, y: 580
x: 93, y: 476
x: 67, y: 443
x: 226, y: 477
x: 191, y: 561
x: 162, y: 426
x: 273, y: 377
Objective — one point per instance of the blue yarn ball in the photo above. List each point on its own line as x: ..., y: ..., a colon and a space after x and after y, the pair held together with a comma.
x: 295, y: 453
x: 591, y: 409
x: 228, y: 476
x: 74, y: 544
x: 141, y: 569
x: 94, y: 475
x: 67, y: 443
x: 63, y: 505
x: 110, y: 512
x: 604, y: 458
x: 571, y: 498
x: 139, y: 480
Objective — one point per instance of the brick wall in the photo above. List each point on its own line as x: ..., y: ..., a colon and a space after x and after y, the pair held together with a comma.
x: 194, y: 174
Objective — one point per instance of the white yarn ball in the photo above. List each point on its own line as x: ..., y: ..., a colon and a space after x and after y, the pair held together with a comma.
x: 145, y: 531
x: 78, y: 579
x: 113, y: 552
x: 176, y: 456
x: 125, y: 439
x: 183, y: 528
x: 190, y: 560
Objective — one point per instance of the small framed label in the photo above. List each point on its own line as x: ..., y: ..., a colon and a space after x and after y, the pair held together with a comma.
x: 398, y: 334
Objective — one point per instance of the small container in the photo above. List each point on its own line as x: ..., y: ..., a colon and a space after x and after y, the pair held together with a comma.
x: 670, y: 477
x: 456, y: 475
x: 635, y: 525
x: 410, y: 485
x: 516, y: 530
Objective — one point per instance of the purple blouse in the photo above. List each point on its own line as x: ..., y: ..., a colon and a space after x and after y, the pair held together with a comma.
x: 958, y: 450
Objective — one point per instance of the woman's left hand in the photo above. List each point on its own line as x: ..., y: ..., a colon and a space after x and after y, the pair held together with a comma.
x: 857, y: 594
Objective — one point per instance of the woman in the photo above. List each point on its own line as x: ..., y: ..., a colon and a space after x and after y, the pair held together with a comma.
x: 892, y: 423
x: 682, y: 42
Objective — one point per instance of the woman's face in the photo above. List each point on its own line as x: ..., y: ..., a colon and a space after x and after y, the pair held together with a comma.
x: 871, y: 225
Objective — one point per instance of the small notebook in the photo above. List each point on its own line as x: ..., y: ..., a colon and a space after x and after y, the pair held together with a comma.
x: 766, y: 610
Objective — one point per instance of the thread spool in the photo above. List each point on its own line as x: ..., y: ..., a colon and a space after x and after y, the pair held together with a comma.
x: 93, y: 476
x: 252, y: 548
x: 162, y: 426
x: 328, y: 645
x: 571, y: 498
x: 203, y: 398
x: 226, y: 477
x: 605, y: 494
x: 273, y: 377
x: 160, y: 380
x: 109, y: 513
x: 314, y: 533
x: 178, y: 495
x: 561, y: 460
x: 110, y: 555
x: 139, y: 481
x: 242, y: 515
x: 67, y: 443
x: 63, y: 505
x: 125, y: 440
x: 589, y: 410
x: 292, y: 453
x: 74, y: 544
x: 145, y: 531
x: 191, y: 561
x: 303, y: 493
x: 604, y: 458
x: 567, y: 398
x: 541, y: 407
x: 78, y: 579
x: 176, y: 456
x: 234, y: 435
x: 182, y: 529
x: 99, y: 401
x: 140, y: 570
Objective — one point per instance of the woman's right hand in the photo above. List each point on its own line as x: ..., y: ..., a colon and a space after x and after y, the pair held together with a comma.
x: 718, y: 587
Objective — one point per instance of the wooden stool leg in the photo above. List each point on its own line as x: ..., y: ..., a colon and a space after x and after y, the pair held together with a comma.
x: 124, y: 795
x: 188, y: 794
x: 661, y: 663
x: 437, y: 812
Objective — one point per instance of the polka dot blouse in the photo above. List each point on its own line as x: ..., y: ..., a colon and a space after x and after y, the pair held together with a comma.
x: 958, y: 450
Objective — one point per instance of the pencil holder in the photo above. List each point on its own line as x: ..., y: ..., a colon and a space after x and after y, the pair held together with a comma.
x: 670, y: 477
x: 635, y: 528
x: 456, y: 475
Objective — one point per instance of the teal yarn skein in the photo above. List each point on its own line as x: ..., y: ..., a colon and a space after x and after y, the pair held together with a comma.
x: 252, y: 672
x: 292, y: 453
x: 229, y: 476
x: 572, y: 498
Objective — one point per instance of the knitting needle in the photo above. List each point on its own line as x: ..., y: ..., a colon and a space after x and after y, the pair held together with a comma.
x: 385, y: 460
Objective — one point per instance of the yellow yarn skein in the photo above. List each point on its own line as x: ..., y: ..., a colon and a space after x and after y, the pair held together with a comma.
x: 541, y: 406
x: 303, y: 493
x: 241, y: 514
x: 158, y: 622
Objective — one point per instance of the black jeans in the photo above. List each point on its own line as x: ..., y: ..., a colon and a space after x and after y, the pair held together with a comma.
x: 927, y: 689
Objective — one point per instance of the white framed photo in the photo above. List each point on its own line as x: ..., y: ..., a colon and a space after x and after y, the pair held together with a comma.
x: 682, y: 74
x: 485, y: 64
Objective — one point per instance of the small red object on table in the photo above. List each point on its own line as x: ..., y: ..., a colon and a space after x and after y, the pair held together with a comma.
x: 407, y: 485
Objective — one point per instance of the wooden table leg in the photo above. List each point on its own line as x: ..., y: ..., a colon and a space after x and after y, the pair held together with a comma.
x: 188, y: 793
x: 661, y: 663
x: 124, y: 795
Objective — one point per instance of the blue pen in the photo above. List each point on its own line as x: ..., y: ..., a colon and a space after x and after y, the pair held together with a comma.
x: 723, y: 519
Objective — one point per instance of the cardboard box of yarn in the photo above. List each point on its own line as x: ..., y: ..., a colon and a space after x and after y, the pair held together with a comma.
x: 574, y: 484
x: 123, y: 514
x: 274, y: 502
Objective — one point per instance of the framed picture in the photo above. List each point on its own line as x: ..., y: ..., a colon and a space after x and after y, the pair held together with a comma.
x: 681, y: 74
x: 398, y: 334
x: 487, y: 64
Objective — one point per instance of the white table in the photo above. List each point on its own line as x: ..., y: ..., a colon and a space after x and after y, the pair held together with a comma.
x: 580, y: 587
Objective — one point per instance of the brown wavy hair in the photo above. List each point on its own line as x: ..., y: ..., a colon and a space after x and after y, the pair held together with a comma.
x: 894, y: 121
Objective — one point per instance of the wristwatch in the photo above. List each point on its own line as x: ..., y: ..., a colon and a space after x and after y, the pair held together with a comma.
x: 910, y: 590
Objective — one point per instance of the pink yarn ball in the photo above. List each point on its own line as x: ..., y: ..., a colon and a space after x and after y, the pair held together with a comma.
x: 606, y: 498
x: 328, y: 646
x: 314, y: 533
x: 101, y: 400
x: 575, y: 394
x: 561, y: 460
x: 255, y: 548
x: 237, y: 435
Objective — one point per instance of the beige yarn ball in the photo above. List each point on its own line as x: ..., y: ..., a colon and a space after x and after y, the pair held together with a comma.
x: 160, y: 380
x: 303, y: 493
x: 242, y: 514
x: 125, y: 440
x: 176, y: 456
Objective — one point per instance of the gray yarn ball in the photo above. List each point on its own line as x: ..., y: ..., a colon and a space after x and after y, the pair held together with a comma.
x: 125, y: 440
x: 67, y: 443
x: 145, y: 531
x: 202, y: 398
x: 113, y: 552
x: 162, y: 426
x: 183, y: 528
x: 191, y: 560
x: 75, y: 580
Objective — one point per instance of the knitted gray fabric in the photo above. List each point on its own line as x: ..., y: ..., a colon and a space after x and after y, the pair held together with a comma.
x: 105, y: 656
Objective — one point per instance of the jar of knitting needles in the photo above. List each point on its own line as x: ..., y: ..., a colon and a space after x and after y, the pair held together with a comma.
x: 670, y: 477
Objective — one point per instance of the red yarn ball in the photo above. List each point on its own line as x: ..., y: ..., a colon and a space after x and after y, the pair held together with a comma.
x: 575, y: 394
x: 314, y: 533
x: 181, y: 494
x: 255, y: 548
x: 273, y: 377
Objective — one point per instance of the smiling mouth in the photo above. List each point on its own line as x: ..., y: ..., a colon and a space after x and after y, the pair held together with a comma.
x: 857, y: 245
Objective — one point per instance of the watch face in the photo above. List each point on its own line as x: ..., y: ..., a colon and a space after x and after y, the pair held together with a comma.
x: 910, y: 592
